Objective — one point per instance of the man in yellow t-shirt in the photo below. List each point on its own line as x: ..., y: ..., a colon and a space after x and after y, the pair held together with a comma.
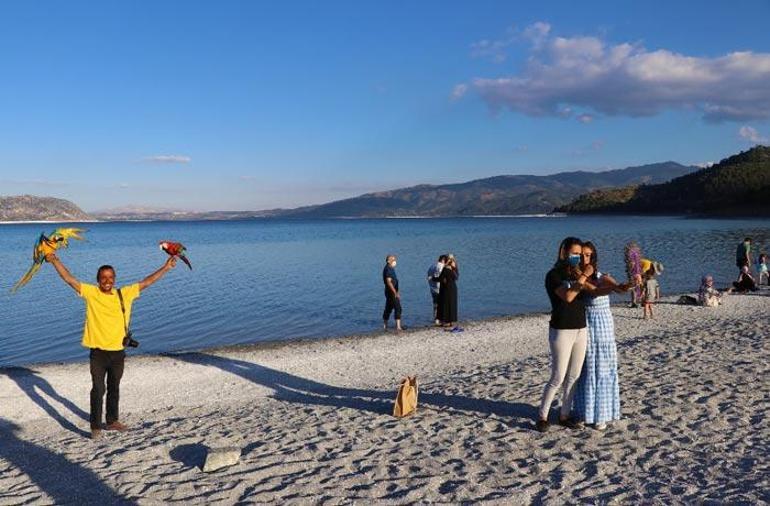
x: 103, y: 333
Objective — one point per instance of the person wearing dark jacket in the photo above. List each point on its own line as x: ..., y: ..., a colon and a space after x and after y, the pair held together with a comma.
x: 447, y: 312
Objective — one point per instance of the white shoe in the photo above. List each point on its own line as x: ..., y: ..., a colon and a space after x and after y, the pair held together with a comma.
x: 600, y: 426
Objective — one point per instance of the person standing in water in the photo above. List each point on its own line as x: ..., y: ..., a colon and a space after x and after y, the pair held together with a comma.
x: 743, y: 254
x: 392, y: 295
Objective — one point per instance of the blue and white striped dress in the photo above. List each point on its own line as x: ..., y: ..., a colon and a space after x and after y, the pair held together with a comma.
x: 597, y: 394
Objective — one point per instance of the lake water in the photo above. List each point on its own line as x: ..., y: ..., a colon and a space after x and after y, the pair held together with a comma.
x: 275, y: 280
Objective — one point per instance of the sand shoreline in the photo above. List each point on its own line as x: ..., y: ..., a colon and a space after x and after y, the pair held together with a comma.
x: 280, y: 343
x: 298, y: 341
x: 312, y: 419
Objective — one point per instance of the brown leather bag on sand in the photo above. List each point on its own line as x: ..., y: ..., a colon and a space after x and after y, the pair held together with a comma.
x: 406, y: 398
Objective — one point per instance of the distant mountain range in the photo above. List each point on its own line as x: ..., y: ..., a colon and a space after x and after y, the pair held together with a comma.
x: 132, y: 213
x: 738, y: 185
x: 500, y: 195
x: 31, y: 208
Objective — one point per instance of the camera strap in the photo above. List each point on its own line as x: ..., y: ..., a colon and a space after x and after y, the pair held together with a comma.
x: 123, y: 310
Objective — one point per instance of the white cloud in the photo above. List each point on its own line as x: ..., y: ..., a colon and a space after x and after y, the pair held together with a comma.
x: 585, y: 118
x: 459, y: 91
x: 705, y: 165
x: 752, y: 135
x: 168, y: 159
x: 588, y: 75
x: 537, y: 33
x: 494, y: 49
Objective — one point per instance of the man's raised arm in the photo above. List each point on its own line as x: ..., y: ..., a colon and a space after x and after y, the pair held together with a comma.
x: 63, y: 272
x: 155, y: 276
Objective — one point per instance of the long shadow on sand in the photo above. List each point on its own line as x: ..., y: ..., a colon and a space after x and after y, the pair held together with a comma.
x: 35, y: 386
x: 64, y: 481
x: 291, y: 388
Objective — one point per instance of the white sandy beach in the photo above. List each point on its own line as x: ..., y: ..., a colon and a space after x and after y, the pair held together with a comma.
x: 313, y: 420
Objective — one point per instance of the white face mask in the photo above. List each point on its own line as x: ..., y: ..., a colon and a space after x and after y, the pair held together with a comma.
x: 440, y: 265
x: 393, y: 264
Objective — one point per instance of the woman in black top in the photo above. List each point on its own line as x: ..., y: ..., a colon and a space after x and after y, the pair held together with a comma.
x: 448, y: 293
x: 568, y: 335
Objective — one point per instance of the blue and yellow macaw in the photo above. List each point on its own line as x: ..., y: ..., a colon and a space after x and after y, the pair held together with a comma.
x: 45, y: 245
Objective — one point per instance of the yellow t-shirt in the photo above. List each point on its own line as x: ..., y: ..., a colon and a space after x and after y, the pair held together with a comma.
x: 104, y: 328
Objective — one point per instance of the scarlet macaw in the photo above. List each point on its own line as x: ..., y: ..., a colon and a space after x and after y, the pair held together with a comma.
x: 175, y: 249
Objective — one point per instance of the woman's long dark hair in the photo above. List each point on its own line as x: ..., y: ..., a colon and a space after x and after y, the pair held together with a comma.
x: 561, y: 259
x: 594, y: 258
x: 565, y: 245
x: 594, y: 254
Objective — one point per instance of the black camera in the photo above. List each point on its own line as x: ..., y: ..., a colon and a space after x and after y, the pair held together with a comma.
x: 129, y: 341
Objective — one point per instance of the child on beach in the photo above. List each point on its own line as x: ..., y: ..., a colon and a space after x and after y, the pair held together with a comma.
x: 762, y: 272
x: 650, y: 293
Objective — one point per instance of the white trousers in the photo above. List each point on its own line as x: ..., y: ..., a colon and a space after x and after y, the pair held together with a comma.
x: 568, y: 351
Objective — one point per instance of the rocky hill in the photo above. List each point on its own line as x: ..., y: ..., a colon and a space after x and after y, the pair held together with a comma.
x: 32, y: 208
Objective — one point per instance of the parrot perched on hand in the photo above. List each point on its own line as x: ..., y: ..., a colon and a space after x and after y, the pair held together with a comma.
x: 175, y: 249
x: 45, y: 245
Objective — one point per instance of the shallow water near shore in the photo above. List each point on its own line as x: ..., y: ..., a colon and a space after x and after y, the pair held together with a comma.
x: 272, y: 280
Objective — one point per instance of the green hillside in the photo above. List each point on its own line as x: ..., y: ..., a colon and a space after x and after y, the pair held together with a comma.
x: 738, y: 185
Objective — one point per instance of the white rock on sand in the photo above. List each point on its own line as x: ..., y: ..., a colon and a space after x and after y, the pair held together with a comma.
x: 219, y: 458
x: 313, y: 420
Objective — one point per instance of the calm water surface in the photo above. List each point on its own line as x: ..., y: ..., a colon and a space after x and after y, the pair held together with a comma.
x: 274, y: 280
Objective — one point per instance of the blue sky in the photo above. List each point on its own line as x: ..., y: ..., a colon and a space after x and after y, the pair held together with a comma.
x: 255, y: 105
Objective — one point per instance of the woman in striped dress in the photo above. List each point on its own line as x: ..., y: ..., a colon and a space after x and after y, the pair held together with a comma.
x: 597, y: 395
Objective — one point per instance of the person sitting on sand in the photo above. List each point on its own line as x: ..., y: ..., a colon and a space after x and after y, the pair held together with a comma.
x: 433, y: 283
x: 708, y: 296
x: 392, y: 295
x: 108, y: 314
x: 597, y: 392
x: 567, y: 333
x: 650, y: 293
x: 745, y: 282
